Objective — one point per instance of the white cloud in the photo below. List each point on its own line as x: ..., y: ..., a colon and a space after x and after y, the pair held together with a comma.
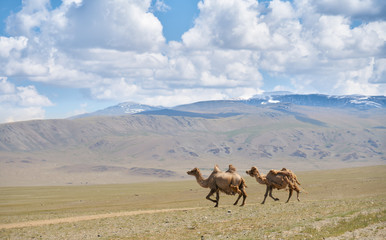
x: 11, y: 45
x: 115, y: 49
x: 20, y: 103
x: 229, y: 24
x: 28, y: 21
x: 6, y: 87
x: 370, y: 39
x: 334, y: 32
x: 25, y: 67
x: 120, y: 25
x: 379, y: 71
x: 335, y: 38
x: 326, y: 49
x: 161, y: 6
x: 83, y: 43
x: 280, y: 11
x: 20, y: 114
x: 115, y: 90
x: 28, y: 96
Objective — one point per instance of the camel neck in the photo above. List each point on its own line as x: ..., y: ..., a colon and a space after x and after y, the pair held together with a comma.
x: 201, y: 181
x: 260, y: 179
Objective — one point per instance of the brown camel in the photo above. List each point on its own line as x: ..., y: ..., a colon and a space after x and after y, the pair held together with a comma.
x: 227, y: 182
x: 276, y: 179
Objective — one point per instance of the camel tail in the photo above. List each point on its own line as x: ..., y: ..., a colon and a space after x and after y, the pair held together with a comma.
x: 303, y: 191
x: 296, y: 179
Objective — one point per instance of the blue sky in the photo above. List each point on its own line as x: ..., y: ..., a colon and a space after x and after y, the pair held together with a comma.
x: 61, y: 58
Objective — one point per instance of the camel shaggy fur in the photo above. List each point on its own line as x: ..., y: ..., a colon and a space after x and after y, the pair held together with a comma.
x: 279, y: 179
x: 227, y: 182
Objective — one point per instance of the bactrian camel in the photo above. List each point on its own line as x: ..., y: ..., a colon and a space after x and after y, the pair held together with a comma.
x: 276, y: 179
x: 228, y: 182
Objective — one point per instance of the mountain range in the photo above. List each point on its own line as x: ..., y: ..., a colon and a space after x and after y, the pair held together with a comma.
x: 133, y: 142
x: 119, y: 109
x: 319, y: 100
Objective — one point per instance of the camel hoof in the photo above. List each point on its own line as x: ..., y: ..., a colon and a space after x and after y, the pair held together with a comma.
x: 276, y: 199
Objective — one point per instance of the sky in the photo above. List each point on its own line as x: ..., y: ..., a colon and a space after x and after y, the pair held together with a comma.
x: 60, y: 58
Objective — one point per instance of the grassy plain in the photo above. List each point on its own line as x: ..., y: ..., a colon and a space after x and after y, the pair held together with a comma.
x: 340, y: 204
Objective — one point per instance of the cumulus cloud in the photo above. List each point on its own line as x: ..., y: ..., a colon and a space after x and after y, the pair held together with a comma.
x: 84, y: 44
x: 20, y: 103
x: 12, y: 45
x: 115, y: 49
x: 229, y: 24
x: 121, y: 25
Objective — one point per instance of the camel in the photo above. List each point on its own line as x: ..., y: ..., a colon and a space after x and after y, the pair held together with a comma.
x: 279, y: 179
x: 227, y: 182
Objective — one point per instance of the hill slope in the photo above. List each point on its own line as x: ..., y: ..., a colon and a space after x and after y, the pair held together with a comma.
x: 152, y: 146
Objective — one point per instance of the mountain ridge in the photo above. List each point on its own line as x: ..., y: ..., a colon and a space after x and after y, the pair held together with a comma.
x: 321, y: 100
x: 164, y: 144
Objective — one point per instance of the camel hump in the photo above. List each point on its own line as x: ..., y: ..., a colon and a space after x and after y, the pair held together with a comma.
x: 291, y: 175
x: 285, y: 172
x: 231, y: 169
x: 216, y: 168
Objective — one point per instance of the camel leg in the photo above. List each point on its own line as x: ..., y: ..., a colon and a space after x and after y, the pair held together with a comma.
x: 290, y: 194
x: 217, y: 198
x: 241, y: 194
x: 210, y: 194
x: 244, y: 196
x: 238, y: 198
x: 270, y: 194
x: 266, y: 194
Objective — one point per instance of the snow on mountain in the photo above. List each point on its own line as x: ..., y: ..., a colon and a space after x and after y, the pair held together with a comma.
x: 321, y: 100
x: 318, y: 100
x: 121, y: 109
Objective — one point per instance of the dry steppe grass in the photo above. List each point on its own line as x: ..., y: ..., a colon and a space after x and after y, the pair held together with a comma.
x: 340, y: 204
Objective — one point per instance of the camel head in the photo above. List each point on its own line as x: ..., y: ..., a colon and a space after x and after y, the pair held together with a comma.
x: 253, y: 172
x: 194, y: 172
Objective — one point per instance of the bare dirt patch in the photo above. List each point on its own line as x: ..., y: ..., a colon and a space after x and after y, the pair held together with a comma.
x: 87, y: 218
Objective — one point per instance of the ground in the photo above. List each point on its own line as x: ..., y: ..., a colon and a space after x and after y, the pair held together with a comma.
x: 340, y: 204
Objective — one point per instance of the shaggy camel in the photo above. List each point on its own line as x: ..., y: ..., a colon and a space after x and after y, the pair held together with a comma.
x: 276, y: 179
x: 227, y: 182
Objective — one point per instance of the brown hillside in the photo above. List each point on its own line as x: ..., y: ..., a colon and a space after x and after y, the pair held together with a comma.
x: 34, y: 152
